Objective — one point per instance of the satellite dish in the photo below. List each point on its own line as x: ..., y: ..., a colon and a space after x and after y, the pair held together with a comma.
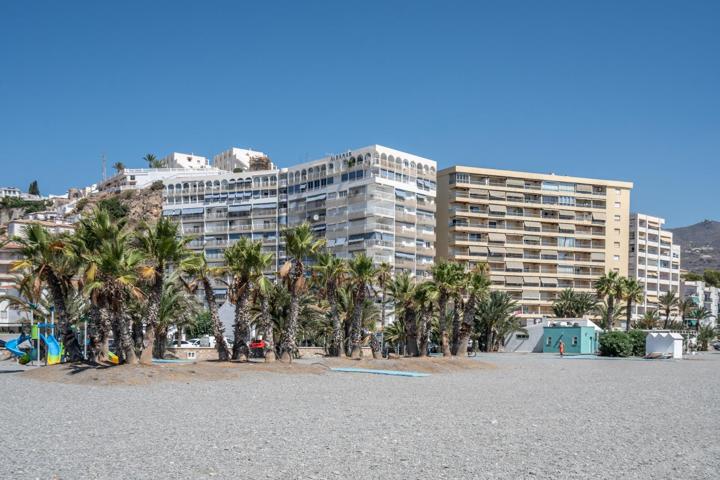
x: 316, y: 217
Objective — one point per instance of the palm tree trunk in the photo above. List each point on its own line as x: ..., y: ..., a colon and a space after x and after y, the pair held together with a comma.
x: 160, y: 342
x: 426, y: 327
x: 289, y: 344
x: 242, y: 326
x: 375, y: 346
x: 667, y: 318
x: 337, y: 339
x: 267, y: 330
x: 442, y: 316
x: 95, y: 335
x: 356, y: 330
x: 628, y: 315
x: 455, y: 326
x: 64, y: 329
x: 610, y: 312
x: 382, y: 319
x: 117, y: 336
x: 126, y: 342
x: 218, y: 330
x: 411, y: 339
x: 467, y: 325
x: 153, y: 312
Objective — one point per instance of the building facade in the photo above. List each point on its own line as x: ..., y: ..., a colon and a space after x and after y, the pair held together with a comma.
x: 238, y: 159
x: 538, y: 233
x: 704, y: 296
x: 374, y: 200
x: 654, y: 261
x: 185, y: 160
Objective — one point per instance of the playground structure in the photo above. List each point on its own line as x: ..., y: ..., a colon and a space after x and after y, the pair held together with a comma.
x: 41, y: 341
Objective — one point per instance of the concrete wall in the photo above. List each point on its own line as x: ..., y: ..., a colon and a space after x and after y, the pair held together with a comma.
x: 209, y: 353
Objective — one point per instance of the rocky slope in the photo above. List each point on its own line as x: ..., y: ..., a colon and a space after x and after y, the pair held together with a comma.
x: 700, y: 245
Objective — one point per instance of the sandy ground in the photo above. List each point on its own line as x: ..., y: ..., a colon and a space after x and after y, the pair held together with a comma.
x: 511, y: 417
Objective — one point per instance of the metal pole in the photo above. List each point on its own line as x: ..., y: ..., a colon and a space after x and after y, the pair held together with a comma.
x: 85, y: 341
x: 32, y: 323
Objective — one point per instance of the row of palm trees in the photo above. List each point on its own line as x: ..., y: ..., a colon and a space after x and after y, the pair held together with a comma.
x: 134, y: 286
x: 612, y: 290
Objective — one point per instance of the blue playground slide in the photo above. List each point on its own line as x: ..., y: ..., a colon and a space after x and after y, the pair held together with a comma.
x: 53, y: 348
x: 12, y: 347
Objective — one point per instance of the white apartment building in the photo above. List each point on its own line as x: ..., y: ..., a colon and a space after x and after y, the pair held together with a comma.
x: 185, y: 160
x: 654, y: 261
x: 375, y: 200
x: 13, y: 192
x: 237, y: 159
x: 705, y: 296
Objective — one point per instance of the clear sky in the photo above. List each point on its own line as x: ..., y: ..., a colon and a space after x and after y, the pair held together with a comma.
x: 613, y: 89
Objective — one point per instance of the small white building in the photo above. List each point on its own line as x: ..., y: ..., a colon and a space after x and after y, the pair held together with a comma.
x: 667, y: 344
x: 185, y: 160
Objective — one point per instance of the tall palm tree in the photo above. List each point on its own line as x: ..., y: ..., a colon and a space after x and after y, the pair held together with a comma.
x: 632, y: 292
x: 153, y: 161
x: 404, y: 293
x: 163, y: 246
x: 446, y: 280
x: 263, y: 289
x: 700, y: 314
x: 668, y: 301
x: 383, y: 278
x: 201, y: 274
x: 604, y: 312
x: 177, y: 308
x: 424, y: 301
x: 649, y: 320
x: 119, y: 166
x: 244, y: 261
x: 476, y: 292
x: 609, y: 287
x: 43, y: 257
x: 300, y: 245
x: 332, y: 270
x: 685, y: 306
x: 361, y: 275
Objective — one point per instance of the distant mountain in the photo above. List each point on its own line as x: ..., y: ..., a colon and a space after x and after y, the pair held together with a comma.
x: 700, y: 245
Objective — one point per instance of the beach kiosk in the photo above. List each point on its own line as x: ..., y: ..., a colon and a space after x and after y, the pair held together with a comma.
x: 664, y: 344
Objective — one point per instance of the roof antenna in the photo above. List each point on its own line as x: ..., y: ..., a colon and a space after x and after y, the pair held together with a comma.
x: 104, y: 168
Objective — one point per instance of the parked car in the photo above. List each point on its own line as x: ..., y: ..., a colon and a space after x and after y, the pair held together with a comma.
x: 183, y: 344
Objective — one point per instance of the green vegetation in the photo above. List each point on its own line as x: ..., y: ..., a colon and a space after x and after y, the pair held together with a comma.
x: 637, y: 337
x: 616, y: 344
x: 33, y: 188
x: 201, y: 326
x: 114, y: 207
x: 27, y: 206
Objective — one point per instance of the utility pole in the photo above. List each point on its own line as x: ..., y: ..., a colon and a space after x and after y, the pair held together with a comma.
x: 104, y: 168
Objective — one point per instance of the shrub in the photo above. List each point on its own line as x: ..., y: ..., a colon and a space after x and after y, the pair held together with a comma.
x: 637, y: 337
x: 115, y: 209
x: 616, y: 344
x: 157, y: 185
x: 81, y: 204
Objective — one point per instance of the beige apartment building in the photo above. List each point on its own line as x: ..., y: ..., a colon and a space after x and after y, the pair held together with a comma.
x: 538, y: 233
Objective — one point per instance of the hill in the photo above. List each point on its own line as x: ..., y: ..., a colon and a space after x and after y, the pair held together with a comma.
x: 700, y: 245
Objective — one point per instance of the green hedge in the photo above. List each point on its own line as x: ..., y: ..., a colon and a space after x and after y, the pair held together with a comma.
x: 616, y: 344
x: 637, y: 337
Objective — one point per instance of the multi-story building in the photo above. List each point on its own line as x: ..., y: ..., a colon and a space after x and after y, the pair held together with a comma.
x: 239, y: 159
x: 13, y: 192
x: 10, y: 317
x: 704, y: 296
x: 185, y: 160
x: 654, y: 260
x: 538, y: 233
x: 375, y: 200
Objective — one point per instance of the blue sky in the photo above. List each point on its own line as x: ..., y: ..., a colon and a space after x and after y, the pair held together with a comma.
x: 627, y: 90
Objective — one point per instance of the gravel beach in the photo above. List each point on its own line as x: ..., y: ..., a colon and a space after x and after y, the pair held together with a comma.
x: 534, y: 416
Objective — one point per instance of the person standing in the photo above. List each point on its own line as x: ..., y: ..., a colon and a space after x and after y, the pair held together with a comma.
x: 561, y: 348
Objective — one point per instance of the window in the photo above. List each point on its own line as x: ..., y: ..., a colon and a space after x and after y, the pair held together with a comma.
x: 522, y: 336
x: 574, y: 341
x: 617, y: 245
x: 617, y: 231
x: 617, y: 218
x: 617, y: 204
x: 548, y: 341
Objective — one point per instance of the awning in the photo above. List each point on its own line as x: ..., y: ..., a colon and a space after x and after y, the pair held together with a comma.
x: 533, y: 224
x: 515, y: 197
x: 313, y: 198
x: 239, y: 208
x: 513, y: 266
x: 513, y: 280
x: 514, y: 251
x: 496, y: 250
x: 188, y: 211
x: 549, y: 253
x: 498, y: 195
x: 597, y: 256
x: 478, y: 191
x: 567, y: 226
x: 515, y: 183
x: 549, y: 282
x: 171, y: 212
x: 532, y: 280
x: 496, y: 237
x: 583, y: 188
x: 567, y: 213
x: 598, y: 215
x: 531, y: 238
x: 483, y: 250
x: 264, y: 205
x: 531, y: 295
x: 497, y: 278
x: 497, y: 209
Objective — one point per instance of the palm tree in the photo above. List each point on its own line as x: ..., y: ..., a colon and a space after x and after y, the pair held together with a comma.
x: 446, y: 280
x: 583, y: 304
x: 300, y: 244
x: 201, y: 274
x: 332, y: 271
x: 668, y: 301
x: 384, y: 276
x: 153, y: 161
x: 119, y: 166
x: 178, y: 308
x: 604, y: 312
x: 163, y: 246
x: 404, y: 293
x: 609, y: 286
x: 361, y: 275
x: 244, y: 261
x: 685, y: 306
x: 110, y: 279
x: 43, y: 257
x: 632, y: 292
x: 476, y: 291
x: 263, y: 289
x: 706, y: 334
x: 649, y: 320
x: 700, y: 314
x: 496, y: 318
